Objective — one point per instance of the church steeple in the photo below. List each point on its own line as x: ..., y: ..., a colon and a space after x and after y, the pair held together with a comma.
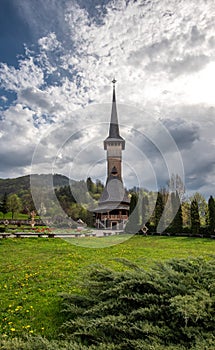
x: 114, y: 125
x: 114, y: 143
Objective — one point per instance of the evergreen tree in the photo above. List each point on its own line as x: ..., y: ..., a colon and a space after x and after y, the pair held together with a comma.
x: 195, y: 219
x: 133, y: 224
x: 4, y: 207
x: 90, y: 185
x: 65, y: 197
x: 145, y: 209
x: 89, y: 218
x: 177, y: 223
x: 99, y: 186
x: 159, y: 208
x: 133, y: 203
x: 211, y: 213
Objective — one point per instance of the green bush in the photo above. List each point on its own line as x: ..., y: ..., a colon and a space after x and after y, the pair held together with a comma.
x: 38, y: 343
x: 169, y: 307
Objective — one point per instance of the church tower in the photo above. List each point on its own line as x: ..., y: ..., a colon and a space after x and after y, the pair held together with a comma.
x: 114, y: 143
x: 113, y: 206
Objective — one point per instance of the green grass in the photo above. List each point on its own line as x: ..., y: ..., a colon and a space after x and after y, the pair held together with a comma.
x: 17, y: 216
x: 34, y: 271
x: 98, y: 242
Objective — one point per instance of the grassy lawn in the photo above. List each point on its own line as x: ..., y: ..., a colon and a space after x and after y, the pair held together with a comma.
x: 34, y: 271
x: 17, y: 216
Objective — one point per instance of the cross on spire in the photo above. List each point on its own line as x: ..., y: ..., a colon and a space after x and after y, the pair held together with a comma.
x: 114, y: 82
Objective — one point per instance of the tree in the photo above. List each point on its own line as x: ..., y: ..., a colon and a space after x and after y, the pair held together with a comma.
x: 99, y: 186
x: 89, y: 218
x: 90, y: 185
x: 185, y: 206
x: 175, y: 184
x: 145, y: 209
x: 27, y: 201
x: 4, y: 207
x: 14, y: 204
x: 195, y: 219
x: 177, y: 223
x: 74, y: 211
x: 202, y: 205
x: 211, y: 214
x: 133, y: 224
x: 159, y: 208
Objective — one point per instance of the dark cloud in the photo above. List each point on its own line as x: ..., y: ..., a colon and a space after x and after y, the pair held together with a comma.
x: 199, y: 177
x: 15, y: 161
x: 144, y: 144
x: 183, y: 132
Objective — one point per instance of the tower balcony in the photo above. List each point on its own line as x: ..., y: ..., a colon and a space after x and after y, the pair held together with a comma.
x: 114, y: 217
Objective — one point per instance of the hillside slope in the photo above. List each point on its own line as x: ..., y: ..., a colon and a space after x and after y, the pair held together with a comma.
x: 20, y: 184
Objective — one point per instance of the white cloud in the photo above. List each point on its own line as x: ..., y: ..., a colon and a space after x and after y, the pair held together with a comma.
x: 27, y: 75
x: 49, y: 42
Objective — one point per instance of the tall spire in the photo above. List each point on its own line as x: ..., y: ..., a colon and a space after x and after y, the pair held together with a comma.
x: 114, y: 126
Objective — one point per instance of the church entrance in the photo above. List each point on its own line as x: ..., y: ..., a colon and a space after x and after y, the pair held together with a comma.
x: 114, y: 225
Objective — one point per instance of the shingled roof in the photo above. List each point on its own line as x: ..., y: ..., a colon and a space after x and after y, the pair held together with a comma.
x: 114, y: 196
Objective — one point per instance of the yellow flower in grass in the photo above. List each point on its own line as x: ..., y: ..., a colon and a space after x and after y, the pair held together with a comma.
x: 18, y: 308
x: 12, y: 329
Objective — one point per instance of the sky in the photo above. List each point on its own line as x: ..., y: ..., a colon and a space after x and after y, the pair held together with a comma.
x: 57, y: 61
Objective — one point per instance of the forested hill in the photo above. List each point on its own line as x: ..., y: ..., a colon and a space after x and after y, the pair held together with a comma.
x: 20, y: 184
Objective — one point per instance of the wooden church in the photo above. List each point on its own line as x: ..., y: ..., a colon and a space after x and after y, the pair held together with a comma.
x: 113, y: 207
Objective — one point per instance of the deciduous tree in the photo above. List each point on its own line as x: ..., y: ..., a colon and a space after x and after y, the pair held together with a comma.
x: 14, y: 204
